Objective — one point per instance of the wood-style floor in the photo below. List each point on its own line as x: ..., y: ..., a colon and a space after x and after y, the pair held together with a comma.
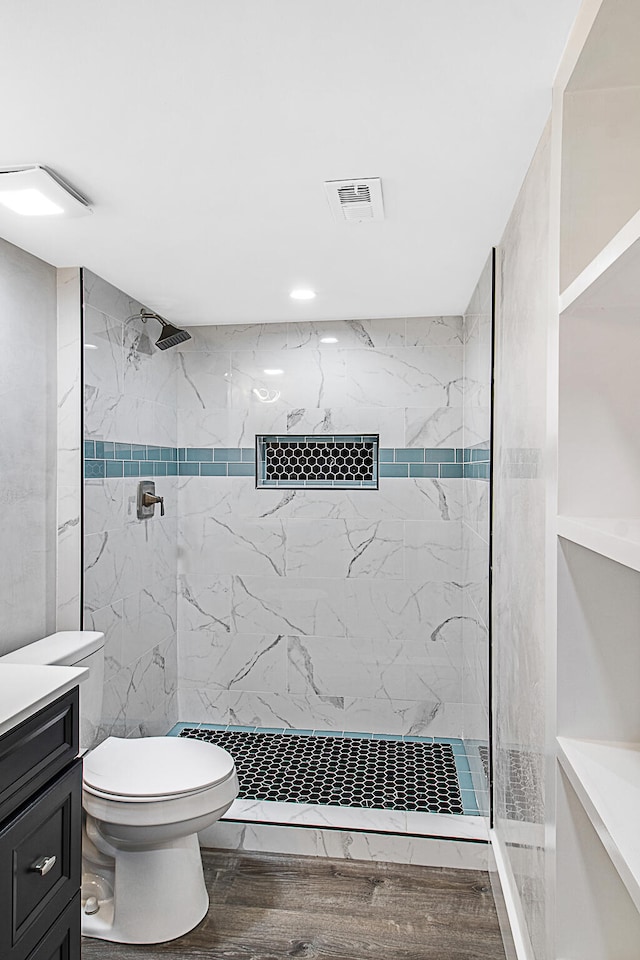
x: 268, y: 906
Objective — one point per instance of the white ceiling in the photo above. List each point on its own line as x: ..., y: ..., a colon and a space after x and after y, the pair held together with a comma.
x: 202, y: 132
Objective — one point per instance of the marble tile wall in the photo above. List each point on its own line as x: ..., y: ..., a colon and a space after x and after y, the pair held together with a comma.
x: 522, y: 311
x: 69, y: 465
x: 27, y: 448
x: 323, y: 609
x: 475, y: 518
x: 347, y: 844
x: 130, y: 565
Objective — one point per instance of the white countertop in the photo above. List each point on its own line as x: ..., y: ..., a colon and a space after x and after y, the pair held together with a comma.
x: 26, y: 688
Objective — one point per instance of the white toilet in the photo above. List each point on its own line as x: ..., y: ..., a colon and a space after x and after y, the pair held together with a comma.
x: 145, y: 801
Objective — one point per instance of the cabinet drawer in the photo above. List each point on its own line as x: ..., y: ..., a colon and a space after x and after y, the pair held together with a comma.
x: 36, y: 750
x: 62, y: 941
x: 50, y: 827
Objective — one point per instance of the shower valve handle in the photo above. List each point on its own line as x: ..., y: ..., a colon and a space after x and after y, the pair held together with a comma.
x: 150, y: 499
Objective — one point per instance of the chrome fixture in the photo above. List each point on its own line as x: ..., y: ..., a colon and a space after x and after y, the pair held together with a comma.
x: 43, y: 865
x: 170, y: 337
x: 147, y: 500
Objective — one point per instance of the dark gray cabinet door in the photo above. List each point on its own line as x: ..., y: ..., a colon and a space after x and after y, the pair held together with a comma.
x: 62, y: 942
x: 40, y: 864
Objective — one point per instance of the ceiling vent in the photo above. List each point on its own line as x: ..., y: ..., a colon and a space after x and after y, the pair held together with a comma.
x: 355, y: 200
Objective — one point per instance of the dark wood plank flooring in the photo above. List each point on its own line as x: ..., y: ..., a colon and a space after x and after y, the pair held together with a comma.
x: 268, y: 906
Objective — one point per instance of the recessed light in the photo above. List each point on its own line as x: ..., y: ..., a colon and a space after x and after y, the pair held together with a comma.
x: 90, y: 346
x: 302, y: 294
x: 273, y: 372
x: 328, y: 340
x: 266, y: 396
x: 35, y: 191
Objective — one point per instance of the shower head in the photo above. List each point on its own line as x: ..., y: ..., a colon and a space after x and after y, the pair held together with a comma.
x: 170, y: 336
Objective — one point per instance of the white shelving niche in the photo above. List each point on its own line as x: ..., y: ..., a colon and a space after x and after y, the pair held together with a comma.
x: 599, y: 434
x: 597, y: 695
x: 606, y: 779
x: 598, y: 919
x: 600, y: 188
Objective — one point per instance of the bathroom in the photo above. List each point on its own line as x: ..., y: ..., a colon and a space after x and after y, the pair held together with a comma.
x: 305, y: 472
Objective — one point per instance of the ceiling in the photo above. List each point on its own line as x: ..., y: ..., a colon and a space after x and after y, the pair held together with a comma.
x: 202, y: 132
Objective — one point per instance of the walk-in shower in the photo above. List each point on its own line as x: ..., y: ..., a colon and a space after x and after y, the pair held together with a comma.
x: 315, y: 598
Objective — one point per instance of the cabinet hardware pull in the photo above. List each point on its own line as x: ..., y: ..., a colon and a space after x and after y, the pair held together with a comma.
x: 43, y: 865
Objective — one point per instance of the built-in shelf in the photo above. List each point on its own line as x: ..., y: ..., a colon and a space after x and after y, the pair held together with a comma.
x: 593, y: 905
x: 610, y: 281
x: 606, y: 779
x: 616, y: 538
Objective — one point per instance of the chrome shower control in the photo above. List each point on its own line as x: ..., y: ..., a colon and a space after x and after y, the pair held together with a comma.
x: 147, y: 500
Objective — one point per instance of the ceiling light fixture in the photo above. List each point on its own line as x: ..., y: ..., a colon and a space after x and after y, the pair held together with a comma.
x: 302, y: 294
x: 273, y: 372
x: 328, y: 340
x: 29, y: 203
x: 90, y: 346
x: 35, y: 191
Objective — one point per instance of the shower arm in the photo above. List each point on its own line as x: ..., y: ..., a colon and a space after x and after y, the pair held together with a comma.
x: 145, y: 315
x: 171, y: 335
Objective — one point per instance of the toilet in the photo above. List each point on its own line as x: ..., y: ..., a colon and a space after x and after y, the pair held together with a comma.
x: 144, y: 800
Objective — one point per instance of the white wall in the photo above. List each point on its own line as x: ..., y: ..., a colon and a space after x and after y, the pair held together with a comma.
x: 27, y: 447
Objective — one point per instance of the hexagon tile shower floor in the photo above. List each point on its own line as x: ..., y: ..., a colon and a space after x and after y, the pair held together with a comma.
x: 387, y: 773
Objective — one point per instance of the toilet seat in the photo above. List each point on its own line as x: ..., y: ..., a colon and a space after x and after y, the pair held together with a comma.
x: 154, y: 769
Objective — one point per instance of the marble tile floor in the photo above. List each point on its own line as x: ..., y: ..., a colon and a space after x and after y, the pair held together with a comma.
x: 373, y: 817
x: 267, y: 906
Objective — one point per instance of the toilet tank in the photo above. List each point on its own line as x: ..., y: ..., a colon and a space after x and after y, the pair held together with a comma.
x: 73, y: 648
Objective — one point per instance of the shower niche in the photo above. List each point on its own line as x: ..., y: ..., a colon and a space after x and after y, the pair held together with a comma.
x: 317, y: 461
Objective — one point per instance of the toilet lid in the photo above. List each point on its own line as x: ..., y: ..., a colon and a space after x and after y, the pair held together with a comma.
x: 154, y: 768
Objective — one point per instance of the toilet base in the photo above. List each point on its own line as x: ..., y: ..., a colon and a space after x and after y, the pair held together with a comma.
x: 158, y: 893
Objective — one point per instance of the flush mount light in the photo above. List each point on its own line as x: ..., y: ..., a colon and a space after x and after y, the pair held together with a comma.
x: 29, y: 203
x: 302, y: 294
x: 328, y: 340
x: 273, y: 372
x: 35, y: 191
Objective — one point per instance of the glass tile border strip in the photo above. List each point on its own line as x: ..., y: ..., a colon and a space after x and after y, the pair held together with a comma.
x: 110, y: 459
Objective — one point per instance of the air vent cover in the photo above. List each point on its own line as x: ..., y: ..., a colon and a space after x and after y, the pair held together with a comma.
x: 355, y: 201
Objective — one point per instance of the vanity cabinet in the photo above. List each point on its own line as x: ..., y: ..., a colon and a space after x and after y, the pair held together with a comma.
x: 41, y: 835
